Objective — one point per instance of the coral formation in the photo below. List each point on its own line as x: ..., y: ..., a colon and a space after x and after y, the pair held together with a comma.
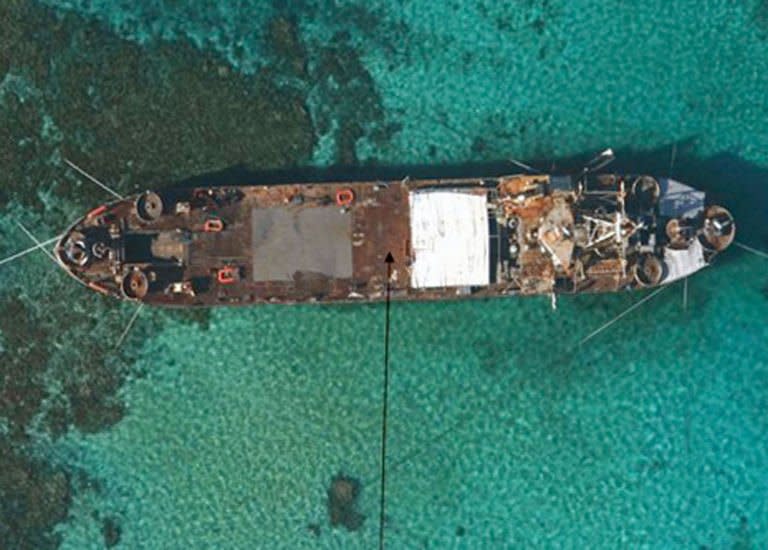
x: 342, y: 502
x: 110, y: 528
x: 34, y: 497
x: 137, y: 117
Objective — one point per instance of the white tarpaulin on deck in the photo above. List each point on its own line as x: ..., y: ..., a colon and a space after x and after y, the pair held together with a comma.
x: 681, y: 263
x: 449, y: 237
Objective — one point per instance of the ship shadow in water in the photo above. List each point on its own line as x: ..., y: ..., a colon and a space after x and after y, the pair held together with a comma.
x: 739, y: 185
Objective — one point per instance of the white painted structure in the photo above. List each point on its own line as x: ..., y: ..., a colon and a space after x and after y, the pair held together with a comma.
x: 681, y: 263
x: 449, y: 238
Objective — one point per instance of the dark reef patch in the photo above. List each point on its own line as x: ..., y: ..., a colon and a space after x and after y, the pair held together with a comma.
x: 349, y: 97
x: 285, y: 43
x: 34, y: 497
x: 492, y: 356
x: 521, y: 15
x: 760, y: 18
x: 137, y: 117
x: 23, y: 361
x: 342, y: 502
x: 136, y: 120
x: 742, y: 539
x: 58, y: 362
x: 346, y: 105
x: 111, y: 531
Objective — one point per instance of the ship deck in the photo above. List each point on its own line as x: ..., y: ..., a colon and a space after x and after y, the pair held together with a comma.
x: 287, y: 243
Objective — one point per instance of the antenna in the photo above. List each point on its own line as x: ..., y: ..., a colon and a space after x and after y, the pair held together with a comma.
x: 94, y: 180
x: 525, y: 167
x: 672, y: 158
x: 600, y: 161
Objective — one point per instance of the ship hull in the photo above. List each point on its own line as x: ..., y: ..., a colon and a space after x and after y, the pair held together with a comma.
x: 450, y: 239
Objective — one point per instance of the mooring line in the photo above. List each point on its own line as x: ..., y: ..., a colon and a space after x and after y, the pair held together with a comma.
x: 38, y: 244
x: 93, y: 179
x: 620, y: 315
x: 129, y: 325
x: 752, y: 250
x: 18, y: 255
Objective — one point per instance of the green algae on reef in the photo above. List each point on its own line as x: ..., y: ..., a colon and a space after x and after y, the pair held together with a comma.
x: 22, y: 366
x: 34, y: 497
x: 287, y: 47
x: 138, y: 118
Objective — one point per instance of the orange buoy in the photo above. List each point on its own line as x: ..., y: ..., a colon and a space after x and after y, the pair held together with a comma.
x: 345, y: 197
x: 227, y: 275
x: 213, y: 225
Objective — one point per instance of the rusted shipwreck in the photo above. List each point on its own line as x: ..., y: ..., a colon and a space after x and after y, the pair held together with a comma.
x: 517, y: 234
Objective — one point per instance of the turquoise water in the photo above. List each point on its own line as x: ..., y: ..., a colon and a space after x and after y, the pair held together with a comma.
x: 651, y: 436
x: 504, y: 432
